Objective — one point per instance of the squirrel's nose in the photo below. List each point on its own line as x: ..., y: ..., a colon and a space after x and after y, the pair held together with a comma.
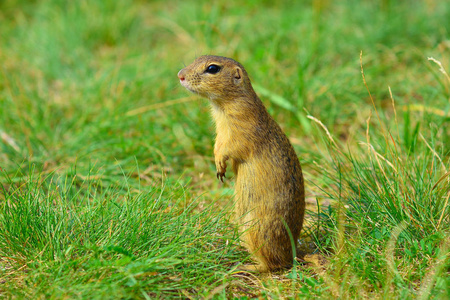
x: 181, y: 75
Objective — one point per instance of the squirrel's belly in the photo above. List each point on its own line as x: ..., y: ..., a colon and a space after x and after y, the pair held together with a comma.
x: 264, y: 188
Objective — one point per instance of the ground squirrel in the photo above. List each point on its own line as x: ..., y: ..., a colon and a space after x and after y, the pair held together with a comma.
x: 269, y: 182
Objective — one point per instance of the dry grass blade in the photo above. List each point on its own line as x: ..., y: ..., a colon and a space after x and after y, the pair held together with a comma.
x: 378, y: 155
x: 370, y: 95
x: 147, y: 108
x: 9, y: 140
x: 324, y: 128
x: 434, y: 152
x: 428, y: 109
x: 438, y: 267
x: 441, y: 68
x: 444, y: 208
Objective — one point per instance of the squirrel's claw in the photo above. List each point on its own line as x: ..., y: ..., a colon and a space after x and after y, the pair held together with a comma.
x: 221, y: 176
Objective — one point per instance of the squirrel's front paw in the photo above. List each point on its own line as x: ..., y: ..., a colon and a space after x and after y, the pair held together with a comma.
x: 221, y: 166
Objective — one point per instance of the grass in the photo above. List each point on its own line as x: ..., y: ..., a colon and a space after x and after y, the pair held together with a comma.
x: 107, y: 175
x: 128, y: 242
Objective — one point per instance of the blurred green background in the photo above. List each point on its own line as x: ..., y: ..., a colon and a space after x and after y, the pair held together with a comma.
x: 72, y: 70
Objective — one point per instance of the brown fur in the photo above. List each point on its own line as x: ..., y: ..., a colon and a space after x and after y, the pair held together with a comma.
x: 269, y: 181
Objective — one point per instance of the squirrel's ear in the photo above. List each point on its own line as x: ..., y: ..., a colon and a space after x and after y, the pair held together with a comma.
x: 238, y: 75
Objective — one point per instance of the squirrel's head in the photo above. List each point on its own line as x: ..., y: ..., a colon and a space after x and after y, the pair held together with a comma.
x: 216, y: 78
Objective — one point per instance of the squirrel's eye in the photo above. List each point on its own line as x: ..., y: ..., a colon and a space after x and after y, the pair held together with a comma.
x: 212, y: 69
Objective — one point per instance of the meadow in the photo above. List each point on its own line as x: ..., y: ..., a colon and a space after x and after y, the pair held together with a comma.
x: 108, y: 187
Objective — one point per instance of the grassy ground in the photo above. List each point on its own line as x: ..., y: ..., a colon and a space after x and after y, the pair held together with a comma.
x: 108, y: 186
